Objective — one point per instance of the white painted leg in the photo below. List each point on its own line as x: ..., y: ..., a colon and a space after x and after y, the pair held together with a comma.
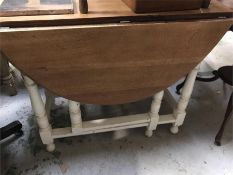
x: 174, y: 129
x: 180, y: 111
x: 49, y: 103
x: 45, y: 129
x: 75, y: 116
x: 154, y: 113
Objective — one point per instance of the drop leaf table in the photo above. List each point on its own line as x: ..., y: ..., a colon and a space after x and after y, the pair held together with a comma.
x: 107, y: 54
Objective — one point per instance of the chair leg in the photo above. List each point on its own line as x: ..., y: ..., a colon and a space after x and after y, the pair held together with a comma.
x: 227, y: 117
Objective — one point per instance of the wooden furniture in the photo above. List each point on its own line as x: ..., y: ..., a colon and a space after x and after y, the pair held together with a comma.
x: 135, y: 71
x: 149, y: 120
x: 228, y: 3
x: 115, y: 11
x: 226, y: 74
x: 111, y: 56
x: 148, y: 6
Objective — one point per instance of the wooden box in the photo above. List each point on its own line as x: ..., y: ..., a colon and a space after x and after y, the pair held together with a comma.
x: 149, y: 6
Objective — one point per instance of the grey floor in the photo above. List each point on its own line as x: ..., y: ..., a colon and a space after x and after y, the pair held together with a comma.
x: 191, y: 151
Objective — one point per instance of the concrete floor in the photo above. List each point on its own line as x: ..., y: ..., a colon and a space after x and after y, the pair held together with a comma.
x: 191, y: 151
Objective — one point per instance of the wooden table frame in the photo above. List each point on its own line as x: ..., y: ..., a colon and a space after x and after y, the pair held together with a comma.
x: 150, y: 120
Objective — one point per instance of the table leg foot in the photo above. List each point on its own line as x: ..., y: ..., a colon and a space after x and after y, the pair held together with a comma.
x: 149, y: 133
x: 174, y: 129
x: 50, y: 147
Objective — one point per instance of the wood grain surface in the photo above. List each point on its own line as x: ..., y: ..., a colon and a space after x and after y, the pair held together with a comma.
x: 115, y: 11
x: 111, y: 64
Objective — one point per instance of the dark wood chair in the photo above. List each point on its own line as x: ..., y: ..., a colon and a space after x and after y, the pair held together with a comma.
x: 11, y: 129
x: 226, y: 74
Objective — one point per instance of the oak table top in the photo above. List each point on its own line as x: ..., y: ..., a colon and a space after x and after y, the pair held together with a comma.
x: 111, y: 55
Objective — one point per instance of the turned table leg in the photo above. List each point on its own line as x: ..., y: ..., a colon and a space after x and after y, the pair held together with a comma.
x: 6, y: 76
x: 180, y: 111
x: 154, y: 113
x: 38, y: 106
